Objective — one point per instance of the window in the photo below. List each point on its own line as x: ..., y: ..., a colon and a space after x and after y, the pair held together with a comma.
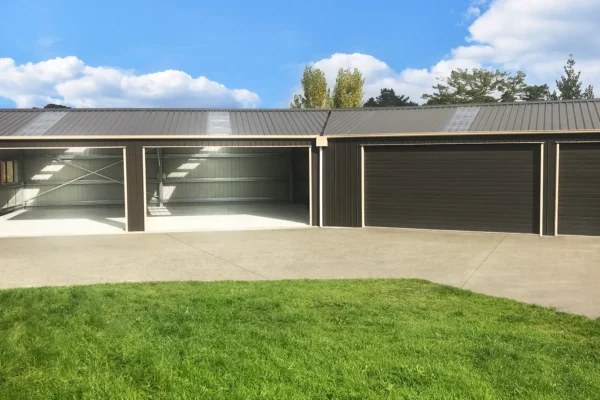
x: 7, y: 172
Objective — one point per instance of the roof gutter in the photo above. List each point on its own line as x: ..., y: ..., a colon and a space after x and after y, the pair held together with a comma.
x: 473, y: 133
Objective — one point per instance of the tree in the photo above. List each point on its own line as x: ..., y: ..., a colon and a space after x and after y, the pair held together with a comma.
x: 538, y: 93
x: 348, y: 90
x: 484, y: 86
x: 314, y: 88
x: 513, y: 88
x: 297, y: 102
x: 569, y: 84
x: 388, y: 98
x: 55, y: 106
x: 462, y: 87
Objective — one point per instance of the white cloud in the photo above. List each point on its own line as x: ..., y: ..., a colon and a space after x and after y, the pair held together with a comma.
x: 411, y: 82
x: 69, y: 81
x: 472, y: 12
x: 535, y: 36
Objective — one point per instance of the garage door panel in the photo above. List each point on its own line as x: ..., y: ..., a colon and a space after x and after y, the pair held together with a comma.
x: 465, y: 187
x: 579, y: 189
x: 421, y: 223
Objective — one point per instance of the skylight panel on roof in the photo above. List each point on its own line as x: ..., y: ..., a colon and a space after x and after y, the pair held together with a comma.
x: 462, y: 119
x: 43, y: 122
x: 218, y: 123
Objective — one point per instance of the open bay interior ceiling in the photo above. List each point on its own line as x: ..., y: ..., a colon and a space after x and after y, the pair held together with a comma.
x: 492, y: 188
x: 260, y: 187
x: 69, y: 190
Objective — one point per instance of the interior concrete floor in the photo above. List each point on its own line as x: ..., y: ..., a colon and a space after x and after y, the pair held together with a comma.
x: 99, y: 220
x: 218, y: 217
x: 563, y: 272
x: 58, y: 221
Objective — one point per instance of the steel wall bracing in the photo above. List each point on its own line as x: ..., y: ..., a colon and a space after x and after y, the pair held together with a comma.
x: 81, y: 176
x: 11, y: 197
x: 136, y: 197
x: 220, y: 174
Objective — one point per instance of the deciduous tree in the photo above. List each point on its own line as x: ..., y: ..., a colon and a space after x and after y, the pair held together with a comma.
x: 314, y: 90
x: 348, y: 90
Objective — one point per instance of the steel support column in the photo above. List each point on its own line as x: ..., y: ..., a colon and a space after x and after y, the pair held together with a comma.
x: 134, y: 177
x: 160, y: 176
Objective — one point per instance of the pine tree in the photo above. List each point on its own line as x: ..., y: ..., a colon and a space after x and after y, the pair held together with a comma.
x: 569, y: 85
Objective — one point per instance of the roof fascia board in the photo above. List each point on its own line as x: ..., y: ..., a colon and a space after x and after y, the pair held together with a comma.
x: 473, y: 133
x: 161, y: 137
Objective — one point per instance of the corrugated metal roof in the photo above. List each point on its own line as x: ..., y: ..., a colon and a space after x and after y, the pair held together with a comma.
x: 559, y: 116
x: 575, y: 115
x: 150, y: 122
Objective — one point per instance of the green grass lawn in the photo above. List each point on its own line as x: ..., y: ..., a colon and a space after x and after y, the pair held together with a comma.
x: 351, y: 339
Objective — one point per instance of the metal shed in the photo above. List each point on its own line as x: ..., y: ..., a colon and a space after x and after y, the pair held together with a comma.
x: 181, y: 169
x: 521, y: 167
x: 491, y: 167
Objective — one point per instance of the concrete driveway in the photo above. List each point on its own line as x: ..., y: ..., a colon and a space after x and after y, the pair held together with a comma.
x: 563, y: 272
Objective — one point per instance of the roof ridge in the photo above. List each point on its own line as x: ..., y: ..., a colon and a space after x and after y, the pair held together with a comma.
x: 323, y: 110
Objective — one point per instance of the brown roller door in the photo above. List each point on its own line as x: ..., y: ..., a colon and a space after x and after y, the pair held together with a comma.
x: 579, y: 189
x: 493, y: 187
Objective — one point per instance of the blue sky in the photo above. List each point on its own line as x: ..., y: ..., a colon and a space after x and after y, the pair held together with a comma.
x: 260, y: 47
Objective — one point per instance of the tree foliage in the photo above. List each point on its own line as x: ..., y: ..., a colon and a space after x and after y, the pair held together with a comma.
x: 538, y: 93
x: 570, y: 86
x: 464, y: 86
x: 55, y: 106
x: 512, y: 87
x: 388, y: 98
x: 348, y: 90
x: 314, y: 87
x: 485, y: 86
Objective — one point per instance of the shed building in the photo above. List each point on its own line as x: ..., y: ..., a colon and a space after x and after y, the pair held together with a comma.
x: 521, y: 168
